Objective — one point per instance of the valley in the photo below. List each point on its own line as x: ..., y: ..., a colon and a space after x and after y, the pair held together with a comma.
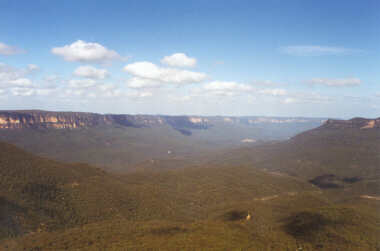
x: 119, y: 142
x: 317, y: 190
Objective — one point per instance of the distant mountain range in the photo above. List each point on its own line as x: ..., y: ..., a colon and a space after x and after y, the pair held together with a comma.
x: 117, y: 141
x: 72, y: 120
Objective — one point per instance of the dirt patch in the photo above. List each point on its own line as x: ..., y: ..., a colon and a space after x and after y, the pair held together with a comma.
x: 267, y: 198
x: 370, y: 124
x: 370, y: 197
x: 277, y: 173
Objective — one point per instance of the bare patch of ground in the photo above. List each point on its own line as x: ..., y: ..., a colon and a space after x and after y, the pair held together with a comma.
x: 370, y: 197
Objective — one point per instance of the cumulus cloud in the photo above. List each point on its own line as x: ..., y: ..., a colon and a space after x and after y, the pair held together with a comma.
x: 290, y: 100
x: 81, y: 83
x: 89, y: 88
x: 226, y: 88
x: 340, y: 82
x: 8, y: 50
x: 273, y: 92
x: 179, y: 60
x: 22, y: 91
x: 73, y: 92
x: 139, y: 83
x: 44, y: 91
x: 81, y: 51
x: 231, y: 88
x: 106, y: 87
x: 264, y: 83
x: 53, y: 80
x: 140, y: 94
x: 316, y: 50
x: 12, y: 77
x: 181, y: 99
x: 15, y: 81
x: 88, y: 71
x: 20, y: 82
x: 306, y: 98
x: 32, y: 68
x: 147, y: 74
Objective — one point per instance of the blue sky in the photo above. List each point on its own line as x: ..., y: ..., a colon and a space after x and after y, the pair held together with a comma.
x: 283, y: 58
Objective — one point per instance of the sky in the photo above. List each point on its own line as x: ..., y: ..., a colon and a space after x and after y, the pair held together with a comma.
x: 236, y: 58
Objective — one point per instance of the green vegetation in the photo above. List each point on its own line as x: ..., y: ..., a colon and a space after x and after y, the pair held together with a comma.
x: 328, y: 157
x: 120, y: 146
x: 317, y: 191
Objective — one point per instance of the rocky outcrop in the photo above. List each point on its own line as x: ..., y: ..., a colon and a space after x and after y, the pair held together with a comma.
x: 358, y: 123
x: 42, y: 119
x: 72, y: 120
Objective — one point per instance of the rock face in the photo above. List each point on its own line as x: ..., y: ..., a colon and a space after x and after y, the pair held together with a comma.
x: 359, y: 123
x: 72, y: 120
x: 42, y: 119
x: 184, y: 124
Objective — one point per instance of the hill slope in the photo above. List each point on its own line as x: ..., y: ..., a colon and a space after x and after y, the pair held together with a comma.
x: 37, y: 193
x: 117, y: 142
x: 337, y: 154
x: 321, y: 202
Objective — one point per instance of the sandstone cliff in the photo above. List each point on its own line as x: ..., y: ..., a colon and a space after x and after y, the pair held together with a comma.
x: 361, y: 123
x: 72, y: 120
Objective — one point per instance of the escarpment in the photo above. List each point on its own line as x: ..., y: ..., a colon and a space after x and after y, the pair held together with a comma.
x: 73, y: 120
x: 38, y: 119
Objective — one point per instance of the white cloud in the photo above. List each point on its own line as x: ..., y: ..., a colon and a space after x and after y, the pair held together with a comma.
x: 179, y: 60
x: 264, y: 83
x: 317, y: 50
x: 306, y: 98
x: 81, y: 51
x: 88, y: 71
x: 20, y: 82
x: 33, y: 68
x: 342, y: 82
x: 17, y: 82
x: 233, y: 88
x: 81, y: 83
x: 138, y: 94
x: 53, y: 80
x: 226, y: 88
x: 73, y: 92
x: 22, y: 91
x: 106, y: 87
x: 146, y: 74
x: 8, y: 50
x: 89, y: 88
x: 44, y: 91
x: 273, y: 92
x: 181, y: 99
x: 139, y: 83
x: 12, y: 77
x: 290, y: 100
x: 113, y: 93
